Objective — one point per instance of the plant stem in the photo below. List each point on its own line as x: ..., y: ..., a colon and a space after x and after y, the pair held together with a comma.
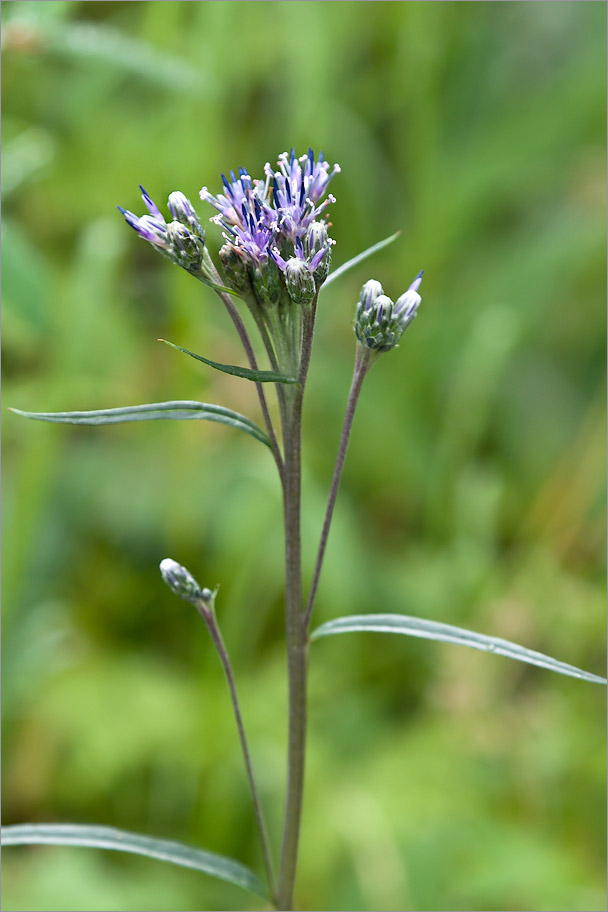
x: 246, y: 342
x: 214, y: 631
x: 297, y: 641
x: 363, y: 362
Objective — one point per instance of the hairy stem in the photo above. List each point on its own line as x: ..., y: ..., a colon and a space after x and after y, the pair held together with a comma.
x: 363, y: 363
x: 297, y: 642
x: 216, y: 636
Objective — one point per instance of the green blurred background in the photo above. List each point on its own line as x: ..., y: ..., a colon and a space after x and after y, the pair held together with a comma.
x: 438, y: 778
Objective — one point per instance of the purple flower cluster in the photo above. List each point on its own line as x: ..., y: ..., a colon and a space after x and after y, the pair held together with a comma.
x: 270, y: 218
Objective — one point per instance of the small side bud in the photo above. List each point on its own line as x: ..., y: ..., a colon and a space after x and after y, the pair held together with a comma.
x: 235, y: 266
x: 186, y: 249
x: 181, y: 581
x: 380, y: 322
x: 299, y: 281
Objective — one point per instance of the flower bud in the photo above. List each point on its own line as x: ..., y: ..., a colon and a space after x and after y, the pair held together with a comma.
x: 266, y: 283
x: 369, y: 293
x: 299, y: 281
x: 380, y: 322
x: 406, y: 307
x: 185, y: 249
x: 181, y: 581
x: 317, y: 244
x: 236, y: 273
x: 183, y: 211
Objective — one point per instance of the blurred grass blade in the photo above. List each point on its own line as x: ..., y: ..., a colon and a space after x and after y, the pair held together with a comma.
x: 433, y: 630
x: 102, y: 837
x: 180, y: 410
x: 258, y: 376
x: 360, y: 257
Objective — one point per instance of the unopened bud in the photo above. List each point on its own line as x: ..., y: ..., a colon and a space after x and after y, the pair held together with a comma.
x: 181, y: 581
x: 235, y: 265
x: 185, y: 249
x: 380, y: 322
x: 299, y: 281
x: 183, y: 211
x: 266, y: 283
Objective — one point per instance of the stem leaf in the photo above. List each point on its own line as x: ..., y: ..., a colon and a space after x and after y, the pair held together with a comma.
x: 180, y: 410
x: 360, y: 257
x: 103, y: 837
x: 433, y: 630
x: 258, y: 376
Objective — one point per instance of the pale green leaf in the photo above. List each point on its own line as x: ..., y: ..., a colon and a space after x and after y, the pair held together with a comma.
x: 103, y: 837
x: 258, y: 376
x: 433, y: 630
x: 180, y: 410
x: 360, y: 257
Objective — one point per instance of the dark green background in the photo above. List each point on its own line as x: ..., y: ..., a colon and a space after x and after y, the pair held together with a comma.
x: 438, y: 778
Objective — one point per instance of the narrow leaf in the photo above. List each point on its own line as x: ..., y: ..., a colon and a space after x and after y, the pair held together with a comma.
x: 433, y: 630
x: 360, y: 257
x: 102, y: 837
x: 180, y: 410
x: 258, y: 376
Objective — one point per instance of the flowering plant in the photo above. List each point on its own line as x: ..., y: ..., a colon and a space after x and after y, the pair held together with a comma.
x: 275, y: 259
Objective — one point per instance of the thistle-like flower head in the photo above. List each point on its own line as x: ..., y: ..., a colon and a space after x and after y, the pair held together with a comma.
x: 245, y: 215
x: 182, y: 241
x: 297, y: 188
x: 380, y: 322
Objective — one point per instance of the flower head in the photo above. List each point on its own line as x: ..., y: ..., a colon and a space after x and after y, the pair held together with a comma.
x: 244, y: 214
x: 380, y: 322
x: 297, y: 188
x: 182, y: 240
x: 259, y: 215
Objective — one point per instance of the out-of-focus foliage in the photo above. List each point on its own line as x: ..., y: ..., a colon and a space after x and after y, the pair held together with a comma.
x: 438, y: 778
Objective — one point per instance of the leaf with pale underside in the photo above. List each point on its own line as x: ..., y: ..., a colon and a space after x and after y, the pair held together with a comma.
x: 433, y: 630
x: 258, y: 376
x: 359, y: 258
x: 179, y: 410
x: 103, y: 837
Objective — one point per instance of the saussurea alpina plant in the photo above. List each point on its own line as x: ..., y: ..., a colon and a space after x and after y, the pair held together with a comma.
x: 275, y: 260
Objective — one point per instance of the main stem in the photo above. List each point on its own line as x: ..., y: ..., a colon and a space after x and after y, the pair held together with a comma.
x: 363, y: 363
x: 218, y: 641
x: 297, y: 641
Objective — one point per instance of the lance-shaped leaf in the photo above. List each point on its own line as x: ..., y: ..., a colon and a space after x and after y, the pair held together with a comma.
x: 360, y: 257
x: 102, y: 837
x: 180, y: 410
x: 433, y: 630
x: 258, y: 376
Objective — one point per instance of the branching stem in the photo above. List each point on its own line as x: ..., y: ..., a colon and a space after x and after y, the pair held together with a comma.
x: 363, y: 362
